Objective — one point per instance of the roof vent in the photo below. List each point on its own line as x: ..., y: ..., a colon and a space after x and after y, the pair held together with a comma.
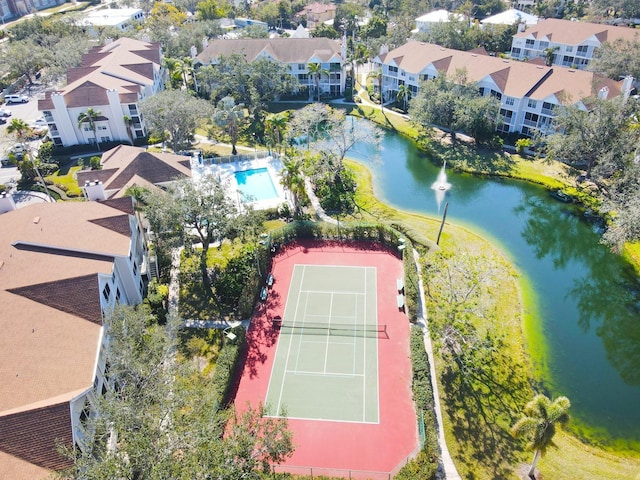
x: 36, y: 220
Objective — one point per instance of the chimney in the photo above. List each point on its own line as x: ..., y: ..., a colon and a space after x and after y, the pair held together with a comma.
x: 627, y: 86
x: 193, y: 51
x: 603, y: 93
x: 521, y: 27
x: 6, y: 202
x: 205, y: 43
x: 384, y: 49
x: 94, y: 190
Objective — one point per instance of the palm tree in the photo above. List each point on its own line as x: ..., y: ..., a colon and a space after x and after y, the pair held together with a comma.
x: 538, y: 425
x: 550, y: 55
x: 28, y: 167
x: 316, y: 70
x: 404, y: 93
x: 185, y: 68
x: 90, y: 116
x: 128, y: 122
x: 377, y: 75
x: 275, y: 125
x: 293, y: 180
x: 228, y: 116
x: 18, y: 128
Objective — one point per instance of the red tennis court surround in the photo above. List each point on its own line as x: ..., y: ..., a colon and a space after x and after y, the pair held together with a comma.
x: 358, y: 450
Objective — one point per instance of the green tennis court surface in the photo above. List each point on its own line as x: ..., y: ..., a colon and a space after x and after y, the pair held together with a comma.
x: 326, y: 363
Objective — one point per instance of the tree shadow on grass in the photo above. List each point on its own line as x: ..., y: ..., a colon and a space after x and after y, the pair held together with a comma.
x: 482, y: 403
x: 465, y: 156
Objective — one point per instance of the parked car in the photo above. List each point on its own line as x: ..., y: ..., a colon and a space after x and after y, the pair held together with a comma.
x: 17, y: 150
x: 4, y: 112
x: 3, y: 120
x: 40, y: 122
x: 16, y: 99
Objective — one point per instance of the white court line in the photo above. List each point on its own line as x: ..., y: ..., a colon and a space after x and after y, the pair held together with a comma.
x: 289, y: 417
x: 320, y: 374
x: 364, y: 358
x: 326, y: 350
x: 300, y: 337
x: 341, y: 292
x: 375, y: 309
x: 286, y: 363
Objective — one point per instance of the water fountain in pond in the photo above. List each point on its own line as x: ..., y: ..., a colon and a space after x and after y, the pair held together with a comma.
x: 440, y: 186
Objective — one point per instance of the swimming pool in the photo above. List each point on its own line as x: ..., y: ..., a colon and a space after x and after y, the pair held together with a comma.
x: 256, y: 184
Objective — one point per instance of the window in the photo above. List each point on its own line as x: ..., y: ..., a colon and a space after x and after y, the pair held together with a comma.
x: 302, y: 66
x: 530, y: 42
x: 393, y: 69
x: 117, y: 295
x: 139, y: 134
x: 133, y: 109
x: 516, y: 52
x: 547, y: 106
x: 106, y: 292
x: 495, y: 94
x: 85, y: 413
x: 544, y: 45
x: 509, y: 101
x: 506, y: 114
x: 582, y: 49
x: 481, y: 91
x: 569, y: 48
x: 532, y: 103
x: 567, y: 60
x: 412, y: 78
x: 532, y: 117
x: 135, y: 268
x: 105, y: 139
x: 303, y: 77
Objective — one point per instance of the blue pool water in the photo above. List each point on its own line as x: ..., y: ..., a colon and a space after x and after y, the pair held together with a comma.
x: 256, y: 184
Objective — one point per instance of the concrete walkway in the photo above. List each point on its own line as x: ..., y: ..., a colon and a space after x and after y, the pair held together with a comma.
x: 447, y: 469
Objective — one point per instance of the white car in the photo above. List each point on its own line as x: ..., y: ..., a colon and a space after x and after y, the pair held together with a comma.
x: 17, y: 149
x: 4, y: 112
x: 40, y: 122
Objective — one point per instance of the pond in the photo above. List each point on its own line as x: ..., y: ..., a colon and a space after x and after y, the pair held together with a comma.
x: 585, y: 337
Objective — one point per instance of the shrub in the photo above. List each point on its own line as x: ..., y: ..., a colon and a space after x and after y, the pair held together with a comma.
x: 522, y: 144
x: 227, y: 365
x: 94, y: 163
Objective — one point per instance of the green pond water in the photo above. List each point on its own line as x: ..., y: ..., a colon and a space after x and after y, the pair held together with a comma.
x: 585, y: 335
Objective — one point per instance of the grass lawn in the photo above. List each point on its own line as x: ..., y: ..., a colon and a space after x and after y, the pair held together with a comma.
x: 65, y: 178
x: 484, y: 453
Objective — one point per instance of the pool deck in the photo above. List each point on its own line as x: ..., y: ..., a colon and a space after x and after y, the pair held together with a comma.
x: 226, y: 174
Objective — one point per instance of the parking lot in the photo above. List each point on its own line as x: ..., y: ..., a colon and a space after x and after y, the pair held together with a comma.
x: 24, y: 111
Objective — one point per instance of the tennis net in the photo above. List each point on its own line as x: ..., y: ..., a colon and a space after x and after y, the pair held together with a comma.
x: 335, y: 329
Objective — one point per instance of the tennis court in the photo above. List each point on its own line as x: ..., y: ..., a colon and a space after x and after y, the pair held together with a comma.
x: 326, y: 361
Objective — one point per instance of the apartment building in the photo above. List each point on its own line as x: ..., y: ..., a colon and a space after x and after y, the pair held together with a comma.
x: 62, y: 266
x: 111, y: 80
x: 573, y: 44
x: 296, y: 53
x: 12, y: 9
x: 528, y: 92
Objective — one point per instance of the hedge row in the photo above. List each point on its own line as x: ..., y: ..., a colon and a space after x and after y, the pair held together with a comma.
x: 227, y: 366
x: 425, y: 465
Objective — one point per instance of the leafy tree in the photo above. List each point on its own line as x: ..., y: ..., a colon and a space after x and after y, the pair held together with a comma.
x: 616, y: 8
x: 201, y: 208
x: 316, y: 70
x: 600, y: 140
x: 163, y: 419
x: 163, y: 19
x: 254, y: 31
x: 306, y: 123
x: 213, y: 9
x: 229, y: 116
x: 617, y: 59
x: 190, y: 34
x: 454, y: 104
x: 175, y: 112
x: 376, y: 27
x: 90, y: 117
x: 325, y: 31
x: 26, y: 58
x: 538, y: 425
